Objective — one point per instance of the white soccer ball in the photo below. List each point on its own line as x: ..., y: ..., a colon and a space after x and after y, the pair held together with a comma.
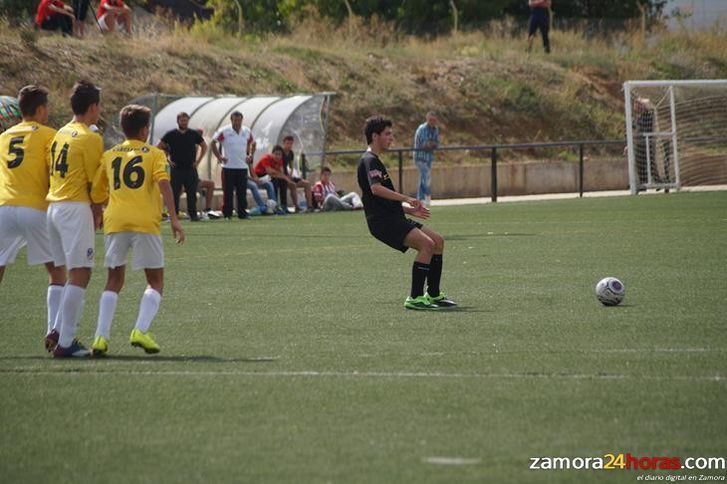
x: 610, y: 291
x: 272, y: 205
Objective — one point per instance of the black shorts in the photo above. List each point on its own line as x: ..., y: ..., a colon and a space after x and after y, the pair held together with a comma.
x: 80, y: 7
x: 539, y: 19
x: 392, y: 232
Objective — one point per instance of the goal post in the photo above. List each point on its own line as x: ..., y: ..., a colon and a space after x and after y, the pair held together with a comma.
x: 676, y: 133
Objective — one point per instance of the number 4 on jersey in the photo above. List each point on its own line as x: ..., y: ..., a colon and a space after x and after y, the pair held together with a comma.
x: 59, y: 164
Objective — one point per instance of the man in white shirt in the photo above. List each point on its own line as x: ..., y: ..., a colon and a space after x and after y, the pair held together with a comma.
x: 238, y: 147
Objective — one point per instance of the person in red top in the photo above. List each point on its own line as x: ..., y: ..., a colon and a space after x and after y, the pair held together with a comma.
x: 272, y: 165
x: 55, y: 15
x: 112, y: 13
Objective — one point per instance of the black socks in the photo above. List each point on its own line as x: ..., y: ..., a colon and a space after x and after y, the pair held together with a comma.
x: 419, y: 273
x: 435, y: 275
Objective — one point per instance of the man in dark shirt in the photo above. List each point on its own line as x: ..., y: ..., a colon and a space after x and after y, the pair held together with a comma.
x: 386, y: 218
x: 181, y: 144
x: 539, y: 20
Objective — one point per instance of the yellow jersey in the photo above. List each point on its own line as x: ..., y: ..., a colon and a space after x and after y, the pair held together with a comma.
x: 129, y: 178
x: 24, y: 152
x: 74, y: 158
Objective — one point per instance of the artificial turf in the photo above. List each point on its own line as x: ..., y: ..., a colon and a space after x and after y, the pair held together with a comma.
x: 287, y: 355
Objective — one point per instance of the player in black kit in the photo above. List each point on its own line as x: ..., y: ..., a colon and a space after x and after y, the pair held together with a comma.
x: 386, y: 218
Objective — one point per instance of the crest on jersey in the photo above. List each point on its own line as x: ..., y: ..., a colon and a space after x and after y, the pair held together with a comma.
x: 89, y: 254
x: 74, y: 134
x: 145, y: 149
x: 375, y: 173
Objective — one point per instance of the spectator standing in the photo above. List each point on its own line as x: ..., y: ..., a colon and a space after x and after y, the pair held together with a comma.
x: 539, y: 20
x: 645, y: 143
x: 238, y: 145
x: 80, y: 10
x: 55, y: 15
x: 426, y: 140
x: 112, y: 13
x: 288, y: 159
x: 186, y: 148
x: 328, y: 199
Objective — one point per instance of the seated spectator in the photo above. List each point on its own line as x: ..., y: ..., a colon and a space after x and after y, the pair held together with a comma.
x: 112, y: 13
x: 55, y: 15
x: 206, y: 189
x: 330, y: 200
x: 272, y: 164
x: 253, y: 182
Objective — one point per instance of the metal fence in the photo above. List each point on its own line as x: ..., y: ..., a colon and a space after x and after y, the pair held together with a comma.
x: 495, y: 150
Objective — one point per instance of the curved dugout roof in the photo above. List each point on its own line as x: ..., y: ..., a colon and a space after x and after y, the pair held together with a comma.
x: 269, y: 117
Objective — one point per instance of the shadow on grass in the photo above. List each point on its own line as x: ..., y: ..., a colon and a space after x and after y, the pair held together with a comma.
x: 279, y: 236
x: 463, y: 309
x: 159, y: 358
x: 457, y: 309
x: 483, y: 236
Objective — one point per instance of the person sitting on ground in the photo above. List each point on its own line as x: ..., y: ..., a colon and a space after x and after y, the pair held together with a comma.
x: 329, y: 200
x: 55, y: 15
x: 112, y: 13
x: 272, y: 164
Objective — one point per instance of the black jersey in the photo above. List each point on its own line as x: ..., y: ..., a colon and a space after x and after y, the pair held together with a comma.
x: 371, y: 171
x: 183, y: 147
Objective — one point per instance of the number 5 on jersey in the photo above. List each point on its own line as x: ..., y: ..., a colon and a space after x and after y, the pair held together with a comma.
x: 14, y: 149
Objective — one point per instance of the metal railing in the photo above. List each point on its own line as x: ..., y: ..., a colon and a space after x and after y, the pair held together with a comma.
x: 494, y: 149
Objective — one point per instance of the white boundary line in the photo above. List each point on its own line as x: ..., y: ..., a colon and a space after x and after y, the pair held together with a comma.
x: 500, y: 351
x: 451, y: 461
x: 564, y: 196
x: 362, y: 374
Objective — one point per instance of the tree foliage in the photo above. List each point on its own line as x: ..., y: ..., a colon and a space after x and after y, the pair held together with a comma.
x: 415, y: 16
x: 421, y: 16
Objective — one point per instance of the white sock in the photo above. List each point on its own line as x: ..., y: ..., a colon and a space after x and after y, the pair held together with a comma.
x: 57, y: 320
x: 148, y: 309
x: 106, y: 310
x: 70, y: 314
x: 53, y: 300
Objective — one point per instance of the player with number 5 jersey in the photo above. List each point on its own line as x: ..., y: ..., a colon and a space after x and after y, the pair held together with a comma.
x: 75, y: 155
x: 23, y: 187
x: 133, y: 178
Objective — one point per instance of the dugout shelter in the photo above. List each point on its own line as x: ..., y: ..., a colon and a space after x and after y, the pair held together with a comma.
x: 304, y: 116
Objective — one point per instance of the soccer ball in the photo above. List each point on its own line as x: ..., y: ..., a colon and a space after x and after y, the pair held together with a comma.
x: 272, y: 205
x: 610, y: 291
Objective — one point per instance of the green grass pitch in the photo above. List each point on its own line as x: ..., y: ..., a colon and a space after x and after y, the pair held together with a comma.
x: 287, y: 355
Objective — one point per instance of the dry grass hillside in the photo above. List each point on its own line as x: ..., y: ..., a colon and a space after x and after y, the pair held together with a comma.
x: 484, y: 84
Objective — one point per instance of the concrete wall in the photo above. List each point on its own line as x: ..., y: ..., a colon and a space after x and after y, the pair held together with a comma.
x: 518, y: 178
x: 473, y: 180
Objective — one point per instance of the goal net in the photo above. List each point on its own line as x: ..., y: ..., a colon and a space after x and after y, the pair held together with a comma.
x: 676, y: 133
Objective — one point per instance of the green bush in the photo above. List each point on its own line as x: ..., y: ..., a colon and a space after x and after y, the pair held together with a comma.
x: 18, y: 9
